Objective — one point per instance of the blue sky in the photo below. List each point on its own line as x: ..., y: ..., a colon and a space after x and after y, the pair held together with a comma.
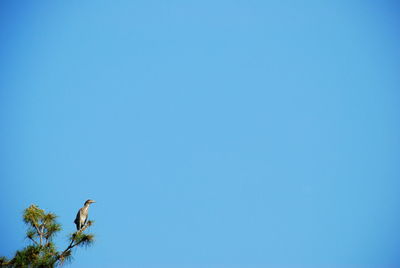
x: 210, y: 133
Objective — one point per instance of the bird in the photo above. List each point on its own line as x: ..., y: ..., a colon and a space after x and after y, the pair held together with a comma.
x: 82, y: 216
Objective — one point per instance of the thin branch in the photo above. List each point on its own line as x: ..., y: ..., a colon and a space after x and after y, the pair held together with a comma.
x: 38, y: 231
x: 37, y: 244
x: 72, y: 245
x: 41, y: 233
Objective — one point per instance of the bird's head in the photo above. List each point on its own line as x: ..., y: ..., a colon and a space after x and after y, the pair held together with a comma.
x: 89, y: 201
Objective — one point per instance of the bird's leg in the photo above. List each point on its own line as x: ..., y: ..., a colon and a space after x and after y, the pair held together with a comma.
x: 85, y: 222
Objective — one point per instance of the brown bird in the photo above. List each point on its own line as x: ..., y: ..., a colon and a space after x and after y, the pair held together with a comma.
x: 82, y: 216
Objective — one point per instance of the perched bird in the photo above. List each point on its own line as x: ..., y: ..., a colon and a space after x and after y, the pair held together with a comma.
x: 82, y: 216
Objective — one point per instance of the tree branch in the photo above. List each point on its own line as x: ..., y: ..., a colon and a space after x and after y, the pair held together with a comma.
x: 72, y: 245
x: 37, y: 244
x: 38, y: 231
x: 41, y: 233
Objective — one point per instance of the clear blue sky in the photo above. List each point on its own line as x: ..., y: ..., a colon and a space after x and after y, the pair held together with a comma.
x: 210, y: 133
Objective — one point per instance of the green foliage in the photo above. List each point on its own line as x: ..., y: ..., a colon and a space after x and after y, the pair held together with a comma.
x: 3, y: 261
x: 83, y: 239
x: 42, y: 253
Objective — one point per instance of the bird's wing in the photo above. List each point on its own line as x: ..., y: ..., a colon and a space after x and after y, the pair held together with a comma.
x: 78, y: 215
